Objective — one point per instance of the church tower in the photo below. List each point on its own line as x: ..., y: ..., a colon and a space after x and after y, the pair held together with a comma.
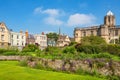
x: 109, y: 19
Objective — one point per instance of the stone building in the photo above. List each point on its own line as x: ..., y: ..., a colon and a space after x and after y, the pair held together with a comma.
x: 30, y: 39
x: 63, y: 40
x: 4, y: 36
x: 41, y: 40
x: 109, y: 30
x: 17, y: 39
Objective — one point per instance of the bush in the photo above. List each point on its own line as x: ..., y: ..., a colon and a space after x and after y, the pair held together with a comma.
x: 114, y: 49
x: 24, y: 53
x: 30, y: 48
x: 102, y: 55
x: 90, y: 49
x: 10, y: 53
x: 92, y: 40
x: 70, y: 49
x: 23, y: 63
x: 72, y: 43
x: 2, y: 51
x: 52, y: 50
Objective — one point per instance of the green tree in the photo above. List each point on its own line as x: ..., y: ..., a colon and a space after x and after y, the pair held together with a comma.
x: 52, y: 36
x: 92, y: 44
x: 92, y: 40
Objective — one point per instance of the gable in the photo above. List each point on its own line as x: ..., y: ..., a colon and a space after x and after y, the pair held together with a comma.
x: 3, y: 27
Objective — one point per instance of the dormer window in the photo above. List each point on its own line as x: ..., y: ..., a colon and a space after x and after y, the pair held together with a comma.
x: 2, y: 29
x: 2, y: 37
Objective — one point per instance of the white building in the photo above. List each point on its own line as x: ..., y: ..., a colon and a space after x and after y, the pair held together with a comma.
x: 17, y: 39
x: 63, y: 40
x: 41, y: 40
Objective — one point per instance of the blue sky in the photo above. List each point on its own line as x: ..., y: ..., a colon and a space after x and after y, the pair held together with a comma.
x: 38, y: 16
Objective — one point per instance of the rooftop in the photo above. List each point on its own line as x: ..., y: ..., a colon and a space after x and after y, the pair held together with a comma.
x: 110, y: 13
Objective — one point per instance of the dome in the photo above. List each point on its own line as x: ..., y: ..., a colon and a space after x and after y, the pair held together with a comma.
x: 109, y: 13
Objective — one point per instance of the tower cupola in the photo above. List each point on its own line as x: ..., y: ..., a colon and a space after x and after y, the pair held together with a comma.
x: 109, y: 13
x: 109, y: 19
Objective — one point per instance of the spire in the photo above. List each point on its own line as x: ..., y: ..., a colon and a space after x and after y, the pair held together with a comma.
x: 110, y: 13
x: 59, y: 31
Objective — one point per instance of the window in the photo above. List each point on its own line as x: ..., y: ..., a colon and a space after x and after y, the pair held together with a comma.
x: 12, y: 36
x: 84, y: 33
x: 22, y: 37
x: 22, y: 43
x: 109, y: 19
x: 116, y: 32
x: 76, y: 34
x: 2, y: 29
x: 2, y: 37
x: 91, y: 32
x: 17, y: 37
x: 2, y: 44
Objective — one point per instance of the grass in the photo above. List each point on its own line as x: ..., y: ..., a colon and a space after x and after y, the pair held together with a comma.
x: 79, y: 56
x: 10, y: 70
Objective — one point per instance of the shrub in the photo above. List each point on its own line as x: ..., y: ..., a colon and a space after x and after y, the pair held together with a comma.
x: 70, y: 49
x: 92, y: 40
x: 113, y: 49
x: 52, y: 50
x: 24, y: 53
x: 23, y: 63
x: 2, y: 51
x: 10, y: 53
x: 30, y: 48
x: 102, y: 55
x: 72, y: 43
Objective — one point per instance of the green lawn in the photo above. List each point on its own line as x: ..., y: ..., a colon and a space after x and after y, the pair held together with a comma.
x: 10, y: 70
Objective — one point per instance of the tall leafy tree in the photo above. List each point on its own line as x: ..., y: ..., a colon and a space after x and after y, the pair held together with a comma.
x: 93, y: 40
x: 52, y: 36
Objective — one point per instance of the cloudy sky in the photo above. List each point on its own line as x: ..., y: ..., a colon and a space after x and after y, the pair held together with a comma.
x: 38, y: 16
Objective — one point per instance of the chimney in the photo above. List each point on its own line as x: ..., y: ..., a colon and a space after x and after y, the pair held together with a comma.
x: 26, y: 34
x: 21, y: 31
x: 42, y: 33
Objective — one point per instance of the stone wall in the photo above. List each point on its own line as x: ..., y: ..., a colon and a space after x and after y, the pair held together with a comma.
x: 17, y: 58
x: 102, y: 66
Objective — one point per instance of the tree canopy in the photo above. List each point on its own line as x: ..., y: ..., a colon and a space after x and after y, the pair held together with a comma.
x: 93, y: 40
x: 52, y: 36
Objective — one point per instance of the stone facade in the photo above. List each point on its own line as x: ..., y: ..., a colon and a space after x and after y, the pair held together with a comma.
x: 109, y: 31
x: 41, y: 40
x: 17, y: 39
x: 4, y: 36
x: 63, y: 40
x: 101, y: 66
x: 29, y: 38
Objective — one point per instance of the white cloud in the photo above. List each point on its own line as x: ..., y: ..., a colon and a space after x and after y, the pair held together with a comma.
x: 38, y: 10
x: 80, y: 19
x: 50, y: 12
x: 53, y: 16
x: 53, y: 21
